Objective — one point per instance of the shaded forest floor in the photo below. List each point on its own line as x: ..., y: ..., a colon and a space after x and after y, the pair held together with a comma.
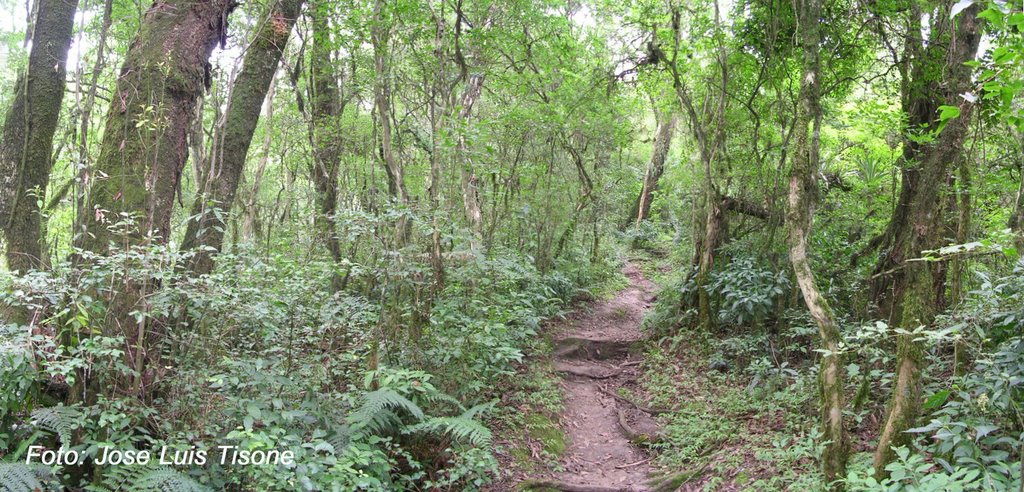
x: 608, y: 405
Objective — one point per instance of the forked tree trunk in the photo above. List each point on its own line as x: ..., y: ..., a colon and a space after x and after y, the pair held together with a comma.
x: 143, y: 152
x: 205, y: 233
x: 799, y: 216
x: 27, y: 142
x: 954, y: 42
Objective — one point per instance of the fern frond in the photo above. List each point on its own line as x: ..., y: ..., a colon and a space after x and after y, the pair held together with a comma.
x: 460, y: 428
x: 167, y: 480
x: 60, y: 420
x: 339, y: 438
x: 378, y: 401
x: 479, y: 409
x: 383, y: 422
x: 434, y: 397
x: 19, y: 477
x: 150, y: 478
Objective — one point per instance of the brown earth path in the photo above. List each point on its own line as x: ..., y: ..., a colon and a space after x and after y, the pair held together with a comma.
x: 596, y: 352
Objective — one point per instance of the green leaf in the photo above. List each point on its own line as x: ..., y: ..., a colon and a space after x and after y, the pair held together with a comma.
x: 936, y: 400
x: 947, y: 113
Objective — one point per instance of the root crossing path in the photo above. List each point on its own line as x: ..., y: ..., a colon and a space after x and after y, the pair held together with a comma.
x: 597, y: 354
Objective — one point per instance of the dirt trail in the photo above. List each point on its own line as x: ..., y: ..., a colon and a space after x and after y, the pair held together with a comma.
x: 593, y: 351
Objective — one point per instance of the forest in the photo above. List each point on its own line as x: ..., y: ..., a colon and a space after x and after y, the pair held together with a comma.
x: 496, y: 245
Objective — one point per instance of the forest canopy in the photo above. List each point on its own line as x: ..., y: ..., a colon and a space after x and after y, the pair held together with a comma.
x: 512, y: 244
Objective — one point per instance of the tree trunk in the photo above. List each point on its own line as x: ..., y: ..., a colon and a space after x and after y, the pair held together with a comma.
x: 655, y: 167
x: 251, y: 226
x: 803, y: 190
x: 961, y: 201
x: 1016, y: 222
x: 205, y: 233
x: 917, y: 219
x: 27, y: 142
x: 469, y: 181
x: 144, y: 151
x: 382, y: 101
x: 326, y: 109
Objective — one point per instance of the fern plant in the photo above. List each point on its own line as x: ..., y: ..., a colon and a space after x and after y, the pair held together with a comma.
x: 148, y: 478
x: 60, y: 420
x: 20, y: 477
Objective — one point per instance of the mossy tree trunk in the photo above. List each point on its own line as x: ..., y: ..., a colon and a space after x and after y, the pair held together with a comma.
x: 143, y: 153
x: 918, y: 219
x: 326, y: 108
x: 666, y: 126
x: 803, y: 190
x: 26, y: 145
x: 707, y: 121
x: 213, y: 202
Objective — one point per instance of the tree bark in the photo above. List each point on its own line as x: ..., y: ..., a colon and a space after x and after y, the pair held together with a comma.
x: 379, y: 35
x: 803, y: 190
x: 469, y: 181
x: 1016, y: 221
x: 655, y: 167
x: 26, y: 146
x: 326, y: 109
x: 205, y: 233
x: 941, y: 77
x: 143, y: 153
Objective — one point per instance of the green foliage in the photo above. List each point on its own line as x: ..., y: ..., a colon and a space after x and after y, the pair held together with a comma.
x: 19, y: 477
x: 748, y: 292
x: 147, y: 478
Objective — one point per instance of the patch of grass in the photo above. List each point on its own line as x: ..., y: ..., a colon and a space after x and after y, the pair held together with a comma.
x: 545, y: 430
x: 751, y: 434
x: 534, y: 400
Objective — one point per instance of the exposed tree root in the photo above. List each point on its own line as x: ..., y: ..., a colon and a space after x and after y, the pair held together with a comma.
x: 634, y: 435
x: 669, y: 483
x: 586, y: 372
x: 566, y: 487
x: 638, y: 406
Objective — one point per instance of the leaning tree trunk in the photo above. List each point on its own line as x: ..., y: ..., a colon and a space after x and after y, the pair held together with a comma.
x: 205, y: 233
x: 800, y: 212
x: 143, y: 152
x: 27, y: 141
x: 641, y: 210
x: 954, y: 42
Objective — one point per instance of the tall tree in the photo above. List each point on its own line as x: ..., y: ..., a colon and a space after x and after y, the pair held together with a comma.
x: 205, y: 233
x: 380, y: 30
x: 803, y: 190
x: 26, y: 145
x: 145, y: 148
x: 907, y: 292
x: 326, y: 107
x: 666, y: 126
